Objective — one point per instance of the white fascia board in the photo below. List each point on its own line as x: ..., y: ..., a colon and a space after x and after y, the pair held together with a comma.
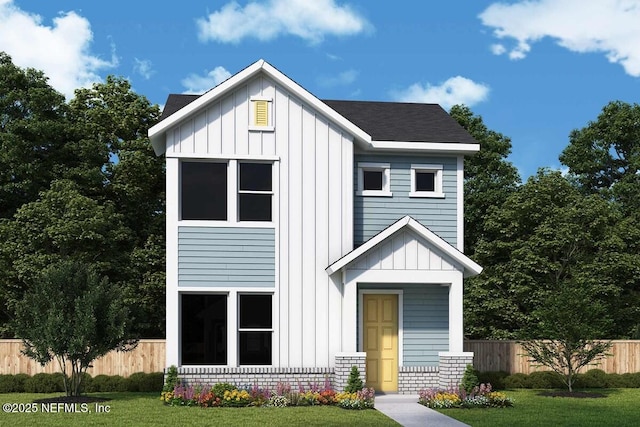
x: 157, y: 132
x: 336, y: 266
x: 426, y: 147
x: 470, y: 267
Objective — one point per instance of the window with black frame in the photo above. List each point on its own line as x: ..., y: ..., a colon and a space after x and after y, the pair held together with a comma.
x: 203, y: 191
x: 255, y: 329
x: 255, y: 192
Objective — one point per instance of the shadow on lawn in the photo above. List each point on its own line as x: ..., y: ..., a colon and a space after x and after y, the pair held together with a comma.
x: 578, y: 394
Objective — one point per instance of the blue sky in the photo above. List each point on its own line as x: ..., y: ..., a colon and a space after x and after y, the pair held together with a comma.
x: 534, y: 70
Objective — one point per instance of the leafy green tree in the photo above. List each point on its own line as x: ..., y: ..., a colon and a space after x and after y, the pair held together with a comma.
x: 549, y: 237
x: 74, y: 316
x: 97, y: 145
x: 33, y: 133
x: 489, y: 180
x: 605, y: 155
x: 571, y: 321
x: 62, y: 224
x: 488, y: 177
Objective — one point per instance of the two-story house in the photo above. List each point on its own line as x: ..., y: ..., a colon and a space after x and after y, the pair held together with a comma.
x: 305, y: 236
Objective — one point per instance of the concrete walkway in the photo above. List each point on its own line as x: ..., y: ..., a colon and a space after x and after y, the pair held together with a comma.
x: 405, y: 409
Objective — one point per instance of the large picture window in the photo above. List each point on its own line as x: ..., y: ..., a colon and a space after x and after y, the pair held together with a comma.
x: 204, y: 329
x: 255, y: 192
x: 255, y: 329
x: 203, y: 191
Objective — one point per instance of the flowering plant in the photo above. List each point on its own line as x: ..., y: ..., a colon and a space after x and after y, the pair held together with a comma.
x: 480, y: 397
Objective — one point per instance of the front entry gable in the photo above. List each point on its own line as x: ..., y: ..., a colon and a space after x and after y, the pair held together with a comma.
x: 406, y: 245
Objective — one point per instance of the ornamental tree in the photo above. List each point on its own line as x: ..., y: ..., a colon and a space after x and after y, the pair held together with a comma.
x: 74, y: 316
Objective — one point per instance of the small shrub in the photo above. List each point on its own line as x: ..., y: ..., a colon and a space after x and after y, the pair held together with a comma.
x: 219, y: 388
x: 617, y: 381
x: 106, y: 383
x: 354, y: 382
x: 13, y: 383
x: 44, y: 383
x: 594, y: 378
x: 544, y: 379
x: 145, y: 382
x: 495, y: 378
x: 518, y: 380
x: 171, y: 380
x: 469, y: 379
x: 632, y: 379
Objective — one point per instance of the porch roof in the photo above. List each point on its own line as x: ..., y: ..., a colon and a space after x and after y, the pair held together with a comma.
x: 470, y: 267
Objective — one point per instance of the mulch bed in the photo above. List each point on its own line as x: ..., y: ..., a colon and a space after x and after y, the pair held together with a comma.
x: 574, y: 394
x: 71, y: 399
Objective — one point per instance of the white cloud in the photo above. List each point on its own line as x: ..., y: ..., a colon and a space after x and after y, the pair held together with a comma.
x: 455, y: 90
x: 61, y: 50
x: 309, y: 20
x: 498, y: 49
x: 143, y: 67
x: 341, y: 79
x: 196, y: 84
x: 611, y: 27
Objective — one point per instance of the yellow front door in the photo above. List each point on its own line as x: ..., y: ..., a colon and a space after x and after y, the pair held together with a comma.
x: 380, y: 336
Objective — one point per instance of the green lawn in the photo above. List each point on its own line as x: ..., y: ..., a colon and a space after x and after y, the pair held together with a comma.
x: 146, y: 409
x: 620, y: 407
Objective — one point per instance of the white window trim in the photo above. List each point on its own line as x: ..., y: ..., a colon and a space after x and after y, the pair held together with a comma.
x: 386, y: 179
x: 269, y: 127
x: 437, y: 170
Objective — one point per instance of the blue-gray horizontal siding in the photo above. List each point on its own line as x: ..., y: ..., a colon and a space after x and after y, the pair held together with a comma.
x: 425, y: 321
x: 225, y: 256
x: 373, y: 214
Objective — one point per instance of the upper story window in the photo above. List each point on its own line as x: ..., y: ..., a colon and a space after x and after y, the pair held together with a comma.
x: 261, y: 114
x: 231, y: 191
x: 204, y: 191
x: 255, y: 192
x: 426, y: 181
x: 374, y: 179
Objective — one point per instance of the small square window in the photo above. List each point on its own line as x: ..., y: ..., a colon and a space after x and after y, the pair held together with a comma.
x: 374, y: 179
x: 426, y: 181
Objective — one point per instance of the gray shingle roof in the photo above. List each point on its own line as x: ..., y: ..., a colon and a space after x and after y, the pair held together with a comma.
x: 384, y: 121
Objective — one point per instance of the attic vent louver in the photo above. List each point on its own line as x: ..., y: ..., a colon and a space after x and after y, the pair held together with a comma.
x: 261, y: 113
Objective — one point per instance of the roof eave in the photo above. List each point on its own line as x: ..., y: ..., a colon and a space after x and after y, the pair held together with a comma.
x: 426, y: 147
x: 471, y: 268
x: 157, y: 132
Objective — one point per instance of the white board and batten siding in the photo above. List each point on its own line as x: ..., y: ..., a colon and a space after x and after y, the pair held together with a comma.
x: 312, y: 215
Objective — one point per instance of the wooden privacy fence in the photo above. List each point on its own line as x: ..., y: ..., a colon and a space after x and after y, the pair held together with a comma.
x: 507, y: 356
x: 148, y: 356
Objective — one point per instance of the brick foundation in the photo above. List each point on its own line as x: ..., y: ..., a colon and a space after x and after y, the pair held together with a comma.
x: 452, y: 366
x: 411, y: 379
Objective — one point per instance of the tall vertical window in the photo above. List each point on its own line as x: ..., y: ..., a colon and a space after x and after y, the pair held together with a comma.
x: 255, y: 192
x: 203, y: 191
x: 255, y: 329
x: 204, y: 329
